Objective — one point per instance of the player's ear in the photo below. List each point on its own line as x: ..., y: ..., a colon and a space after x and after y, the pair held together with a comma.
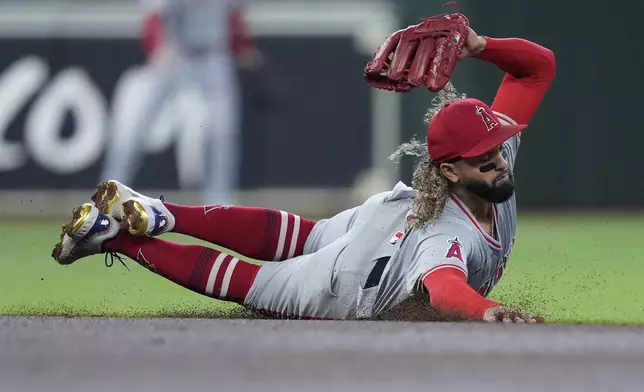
x: 450, y: 172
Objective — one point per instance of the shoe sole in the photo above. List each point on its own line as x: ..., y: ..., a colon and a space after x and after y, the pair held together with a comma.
x: 79, y: 215
x: 107, y: 196
x: 135, y: 217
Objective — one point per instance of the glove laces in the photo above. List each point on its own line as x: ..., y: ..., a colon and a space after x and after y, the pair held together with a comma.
x: 439, y: 16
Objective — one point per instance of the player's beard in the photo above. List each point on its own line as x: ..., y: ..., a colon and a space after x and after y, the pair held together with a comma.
x: 493, y: 193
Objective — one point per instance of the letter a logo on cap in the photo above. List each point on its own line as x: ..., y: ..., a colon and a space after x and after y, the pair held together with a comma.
x: 488, y: 120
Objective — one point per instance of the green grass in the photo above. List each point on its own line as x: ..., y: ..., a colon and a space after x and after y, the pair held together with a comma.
x: 34, y: 284
x: 580, y: 268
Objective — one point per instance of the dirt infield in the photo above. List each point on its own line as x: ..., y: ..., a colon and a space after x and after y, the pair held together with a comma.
x: 61, y: 354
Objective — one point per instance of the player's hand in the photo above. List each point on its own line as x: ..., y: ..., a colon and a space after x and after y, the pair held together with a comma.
x: 501, y: 314
x: 474, y: 44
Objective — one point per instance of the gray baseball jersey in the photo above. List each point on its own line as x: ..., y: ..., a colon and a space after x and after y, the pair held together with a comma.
x: 366, y: 262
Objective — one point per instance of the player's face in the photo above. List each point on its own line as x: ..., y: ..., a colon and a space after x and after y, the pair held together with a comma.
x: 487, y: 176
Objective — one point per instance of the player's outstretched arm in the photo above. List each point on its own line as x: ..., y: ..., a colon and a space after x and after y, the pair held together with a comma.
x: 441, y: 262
x: 529, y: 68
x: 450, y: 294
x: 152, y: 32
x: 247, y: 55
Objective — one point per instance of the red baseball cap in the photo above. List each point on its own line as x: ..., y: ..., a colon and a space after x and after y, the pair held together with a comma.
x: 466, y: 128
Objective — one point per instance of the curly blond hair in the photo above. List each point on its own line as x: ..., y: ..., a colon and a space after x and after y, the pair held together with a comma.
x: 427, y: 179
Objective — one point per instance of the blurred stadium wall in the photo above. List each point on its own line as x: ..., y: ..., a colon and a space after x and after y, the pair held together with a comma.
x: 322, y: 144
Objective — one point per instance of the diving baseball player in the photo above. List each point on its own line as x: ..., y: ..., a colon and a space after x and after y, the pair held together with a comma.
x: 189, y: 43
x: 411, y: 253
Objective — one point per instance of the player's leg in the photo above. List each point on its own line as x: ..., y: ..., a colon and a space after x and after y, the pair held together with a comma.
x: 258, y: 233
x: 214, y: 73
x: 148, y: 88
x: 198, y: 268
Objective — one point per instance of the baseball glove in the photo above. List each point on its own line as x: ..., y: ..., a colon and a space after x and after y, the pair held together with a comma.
x: 422, y: 55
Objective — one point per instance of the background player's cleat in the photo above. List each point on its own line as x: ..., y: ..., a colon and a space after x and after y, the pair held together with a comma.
x: 84, y: 235
x: 145, y: 216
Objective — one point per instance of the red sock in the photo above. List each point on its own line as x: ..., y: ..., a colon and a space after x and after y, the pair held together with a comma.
x: 258, y: 233
x: 195, y: 267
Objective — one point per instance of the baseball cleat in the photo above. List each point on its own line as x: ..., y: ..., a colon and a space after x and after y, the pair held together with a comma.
x: 143, y: 216
x: 84, y: 235
x: 140, y: 214
x: 109, y: 198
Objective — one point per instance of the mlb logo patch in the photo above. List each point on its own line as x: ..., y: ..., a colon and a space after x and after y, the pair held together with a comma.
x: 396, y: 237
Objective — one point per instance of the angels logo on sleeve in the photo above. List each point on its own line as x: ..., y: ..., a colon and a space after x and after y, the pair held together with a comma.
x: 455, y: 249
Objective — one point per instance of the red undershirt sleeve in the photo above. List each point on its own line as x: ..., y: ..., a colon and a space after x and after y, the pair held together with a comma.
x: 449, y: 293
x: 440, y: 262
x: 530, y: 69
x: 240, y: 40
x: 152, y: 33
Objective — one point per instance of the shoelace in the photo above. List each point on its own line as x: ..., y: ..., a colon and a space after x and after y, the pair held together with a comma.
x: 109, y: 260
x: 109, y: 257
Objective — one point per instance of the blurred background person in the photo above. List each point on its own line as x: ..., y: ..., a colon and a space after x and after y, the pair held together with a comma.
x: 188, y: 44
